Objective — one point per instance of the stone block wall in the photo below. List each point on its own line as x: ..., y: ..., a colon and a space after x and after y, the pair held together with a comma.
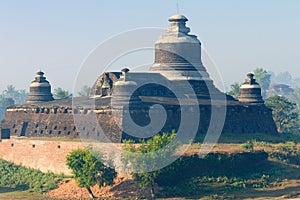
x: 39, y: 122
x: 239, y: 119
x: 249, y: 119
x: 45, y: 122
x: 59, y: 122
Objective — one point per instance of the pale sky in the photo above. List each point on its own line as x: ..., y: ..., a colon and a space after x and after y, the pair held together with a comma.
x: 56, y: 36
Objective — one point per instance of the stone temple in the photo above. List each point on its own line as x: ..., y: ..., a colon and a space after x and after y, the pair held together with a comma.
x: 126, y: 102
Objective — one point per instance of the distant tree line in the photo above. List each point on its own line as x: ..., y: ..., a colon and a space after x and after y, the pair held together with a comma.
x: 60, y: 93
x: 12, y: 96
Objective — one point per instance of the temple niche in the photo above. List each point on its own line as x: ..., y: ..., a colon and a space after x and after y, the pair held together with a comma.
x: 104, y: 84
x: 177, y: 69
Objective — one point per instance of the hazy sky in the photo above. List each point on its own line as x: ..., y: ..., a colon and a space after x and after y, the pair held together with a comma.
x: 57, y: 35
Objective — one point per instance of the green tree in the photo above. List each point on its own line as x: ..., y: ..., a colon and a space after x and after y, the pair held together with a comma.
x: 284, y: 114
x: 5, y: 102
x: 234, y: 90
x: 295, y: 97
x: 60, y: 93
x: 19, y: 96
x: 89, y: 169
x: 10, y: 91
x: 145, y: 156
x: 263, y: 78
x: 85, y: 91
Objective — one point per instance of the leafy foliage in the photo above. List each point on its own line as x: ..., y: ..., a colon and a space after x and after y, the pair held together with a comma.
x: 284, y: 114
x: 85, y: 91
x: 234, y: 90
x: 263, y: 78
x: 15, y: 176
x: 11, y: 96
x: 199, y: 185
x: 249, y: 145
x: 60, y: 93
x: 89, y: 169
x: 146, y: 156
x: 5, y: 102
x: 295, y: 97
x: 194, y: 175
x: 213, y: 164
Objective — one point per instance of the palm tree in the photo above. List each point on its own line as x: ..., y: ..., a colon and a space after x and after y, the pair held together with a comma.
x: 10, y: 91
x: 19, y: 96
x: 235, y: 90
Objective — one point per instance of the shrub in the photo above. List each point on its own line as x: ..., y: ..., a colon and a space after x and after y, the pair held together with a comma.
x: 249, y: 145
x: 89, y: 168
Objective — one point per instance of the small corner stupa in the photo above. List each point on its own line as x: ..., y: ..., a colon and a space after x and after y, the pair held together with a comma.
x: 40, y: 90
x: 250, y: 91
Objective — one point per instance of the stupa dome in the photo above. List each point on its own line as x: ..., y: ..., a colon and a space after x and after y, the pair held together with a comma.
x: 250, y: 91
x: 178, y: 53
x: 40, y: 90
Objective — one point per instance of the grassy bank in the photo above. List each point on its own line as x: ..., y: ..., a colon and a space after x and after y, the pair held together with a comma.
x: 17, y: 182
x: 19, y: 193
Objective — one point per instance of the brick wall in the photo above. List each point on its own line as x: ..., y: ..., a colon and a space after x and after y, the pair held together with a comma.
x: 51, y: 155
x: 43, y: 155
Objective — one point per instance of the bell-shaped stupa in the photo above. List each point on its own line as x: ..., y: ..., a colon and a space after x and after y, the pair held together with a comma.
x: 40, y: 90
x: 250, y: 91
x: 178, y: 58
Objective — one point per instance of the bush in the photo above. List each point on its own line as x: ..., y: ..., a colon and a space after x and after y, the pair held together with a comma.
x: 249, y: 145
x: 146, y: 156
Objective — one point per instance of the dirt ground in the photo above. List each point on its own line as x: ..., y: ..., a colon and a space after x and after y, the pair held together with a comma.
x: 123, y: 188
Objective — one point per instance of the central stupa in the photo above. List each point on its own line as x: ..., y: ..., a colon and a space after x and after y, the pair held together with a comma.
x: 178, y: 57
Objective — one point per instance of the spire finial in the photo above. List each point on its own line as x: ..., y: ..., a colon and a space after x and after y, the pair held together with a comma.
x: 177, y: 7
x: 177, y: 24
